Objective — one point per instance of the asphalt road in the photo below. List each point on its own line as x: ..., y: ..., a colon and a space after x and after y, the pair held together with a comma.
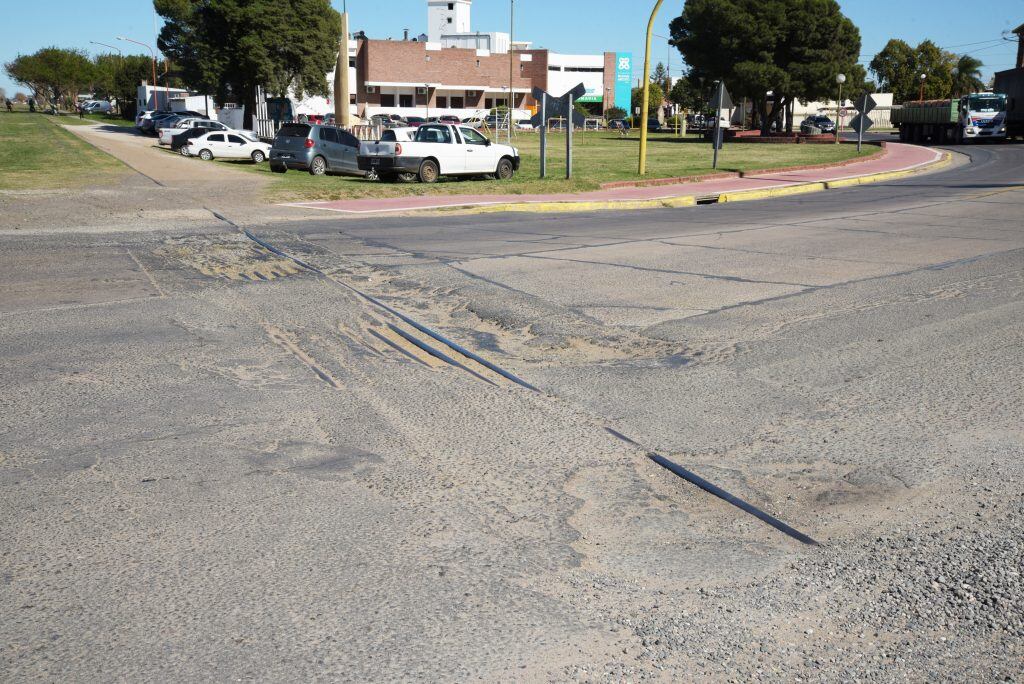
x: 217, y: 464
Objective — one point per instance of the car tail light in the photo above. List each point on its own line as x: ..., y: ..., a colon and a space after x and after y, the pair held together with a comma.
x: 398, y: 148
x: 309, y: 143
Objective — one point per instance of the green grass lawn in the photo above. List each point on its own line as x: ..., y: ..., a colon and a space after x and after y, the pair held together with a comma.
x: 37, y: 154
x: 598, y: 157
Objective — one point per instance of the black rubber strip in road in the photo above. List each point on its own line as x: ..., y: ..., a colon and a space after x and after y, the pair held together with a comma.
x: 437, y: 353
x: 711, y: 488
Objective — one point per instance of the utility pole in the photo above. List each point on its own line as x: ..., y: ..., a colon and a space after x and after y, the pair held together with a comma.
x: 511, y: 63
x: 153, y: 55
x: 342, y: 111
x: 646, y: 86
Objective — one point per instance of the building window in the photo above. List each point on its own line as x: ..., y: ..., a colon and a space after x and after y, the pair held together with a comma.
x: 352, y: 99
x: 488, y: 103
x: 451, y: 6
x: 405, y: 100
x: 458, y: 103
x: 449, y: 20
x: 554, y: 68
x: 442, y: 102
x: 352, y: 63
x: 387, y: 100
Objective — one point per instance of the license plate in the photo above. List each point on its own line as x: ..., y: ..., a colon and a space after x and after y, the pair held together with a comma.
x: 374, y: 161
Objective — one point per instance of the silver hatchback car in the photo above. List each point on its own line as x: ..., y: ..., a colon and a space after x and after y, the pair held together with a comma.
x: 316, y: 148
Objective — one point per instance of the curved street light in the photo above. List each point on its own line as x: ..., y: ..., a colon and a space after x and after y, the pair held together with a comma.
x: 153, y: 55
x: 647, y: 83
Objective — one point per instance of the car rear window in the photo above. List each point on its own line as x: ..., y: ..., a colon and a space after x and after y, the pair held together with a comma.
x: 294, y: 130
x: 346, y: 138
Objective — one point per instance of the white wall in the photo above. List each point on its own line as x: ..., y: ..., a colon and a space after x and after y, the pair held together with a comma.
x: 561, y: 82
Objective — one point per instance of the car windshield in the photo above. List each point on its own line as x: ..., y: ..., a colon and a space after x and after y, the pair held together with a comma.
x: 294, y: 130
x: 986, y: 103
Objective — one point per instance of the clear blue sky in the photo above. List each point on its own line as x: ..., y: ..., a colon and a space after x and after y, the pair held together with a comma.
x: 572, y: 26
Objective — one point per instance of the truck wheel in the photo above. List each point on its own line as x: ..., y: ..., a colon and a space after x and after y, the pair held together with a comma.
x: 505, y: 170
x: 318, y: 166
x: 429, y: 171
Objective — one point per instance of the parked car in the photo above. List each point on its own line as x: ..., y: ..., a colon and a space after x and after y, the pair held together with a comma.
x: 449, y: 119
x: 180, y: 138
x: 440, y: 150
x: 819, y: 121
x: 524, y: 125
x: 473, y: 122
x: 315, y: 148
x: 167, y: 133
x: 415, y: 121
x: 227, y: 145
x: 149, y: 125
x: 653, y: 125
x: 398, y: 134
x: 387, y: 120
x: 97, y: 106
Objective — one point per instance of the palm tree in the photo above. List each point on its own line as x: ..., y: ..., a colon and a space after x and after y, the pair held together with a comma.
x: 967, y: 76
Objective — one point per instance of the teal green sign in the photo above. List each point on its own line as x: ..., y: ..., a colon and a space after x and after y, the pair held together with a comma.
x: 624, y: 80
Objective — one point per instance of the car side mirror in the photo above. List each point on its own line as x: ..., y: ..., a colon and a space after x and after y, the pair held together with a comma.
x: 487, y: 143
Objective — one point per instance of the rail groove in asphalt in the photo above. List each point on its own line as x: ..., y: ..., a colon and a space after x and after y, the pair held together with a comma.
x: 685, y: 474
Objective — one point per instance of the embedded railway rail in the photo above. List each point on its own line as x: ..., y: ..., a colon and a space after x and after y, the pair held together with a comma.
x: 466, y: 360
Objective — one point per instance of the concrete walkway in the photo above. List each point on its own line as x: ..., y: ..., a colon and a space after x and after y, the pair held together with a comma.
x: 896, y: 158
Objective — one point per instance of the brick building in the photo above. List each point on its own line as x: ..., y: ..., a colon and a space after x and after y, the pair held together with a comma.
x: 441, y: 75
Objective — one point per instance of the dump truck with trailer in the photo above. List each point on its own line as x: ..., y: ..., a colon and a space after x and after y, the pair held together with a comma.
x: 978, y: 116
x: 1011, y: 82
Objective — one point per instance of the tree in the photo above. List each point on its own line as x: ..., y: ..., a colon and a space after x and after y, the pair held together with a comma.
x: 52, y: 73
x: 228, y: 48
x: 789, y: 48
x: 119, y: 77
x: 898, y: 68
x: 615, y: 113
x: 688, y: 96
x: 660, y: 74
x: 967, y: 76
x: 20, y: 97
x: 893, y: 66
x: 937, y: 66
x: 655, y: 97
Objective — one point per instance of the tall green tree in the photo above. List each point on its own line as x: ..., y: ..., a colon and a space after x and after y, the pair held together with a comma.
x: 53, y: 74
x: 119, y: 77
x: 893, y: 67
x: 688, y: 95
x: 229, y: 47
x: 792, y: 49
x: 655, y: 95
x: 660, y: 74
x: 898, y: 68
x: 967, y: 76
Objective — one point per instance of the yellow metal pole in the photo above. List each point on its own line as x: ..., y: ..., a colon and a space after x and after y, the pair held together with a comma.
x: 647, y: 84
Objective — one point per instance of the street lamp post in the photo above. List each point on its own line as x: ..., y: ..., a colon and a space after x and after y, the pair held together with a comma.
x: 646, y: 93
x: 511, y: 63
x: 426, y: 86
x: 921, y: 95
x: 153, y: 55
x: 840, y: 79
x: 120, y: 59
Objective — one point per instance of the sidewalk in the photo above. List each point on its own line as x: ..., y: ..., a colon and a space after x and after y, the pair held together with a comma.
x: 897, y: 159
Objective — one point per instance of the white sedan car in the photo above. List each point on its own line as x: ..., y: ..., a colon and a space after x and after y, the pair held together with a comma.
x: 228, y: 145
x: 167, y: 134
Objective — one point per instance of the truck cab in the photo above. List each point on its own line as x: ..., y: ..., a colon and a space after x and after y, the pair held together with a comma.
x: 983, y: 115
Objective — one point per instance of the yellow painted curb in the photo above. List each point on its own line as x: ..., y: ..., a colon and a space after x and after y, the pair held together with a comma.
x: 767, y: 193
x: 607, y: 205
x: 946, y: 160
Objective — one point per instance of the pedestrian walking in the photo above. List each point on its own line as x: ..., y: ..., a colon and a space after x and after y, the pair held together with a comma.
x: 81, y: 111
x: 10, y: 107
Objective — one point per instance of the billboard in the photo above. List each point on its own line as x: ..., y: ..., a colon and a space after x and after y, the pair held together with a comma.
x: 623, y: 80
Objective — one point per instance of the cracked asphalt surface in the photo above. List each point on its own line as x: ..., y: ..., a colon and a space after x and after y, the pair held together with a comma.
x: 217, y: 464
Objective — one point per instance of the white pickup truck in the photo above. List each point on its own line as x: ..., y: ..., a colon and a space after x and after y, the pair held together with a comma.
x: 439, y: 150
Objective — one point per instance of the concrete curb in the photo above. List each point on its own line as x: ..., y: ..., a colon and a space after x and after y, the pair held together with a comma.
x: 691, y: 200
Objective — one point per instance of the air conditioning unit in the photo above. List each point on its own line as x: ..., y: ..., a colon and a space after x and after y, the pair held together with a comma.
x: 421, y: 91
x: 371, y: 89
